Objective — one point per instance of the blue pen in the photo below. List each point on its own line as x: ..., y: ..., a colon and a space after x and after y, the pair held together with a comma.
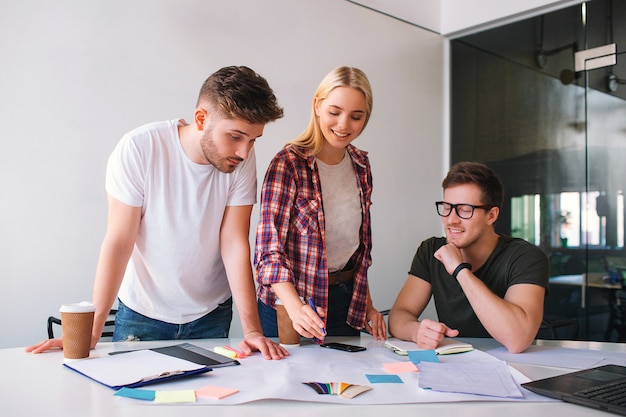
x: 312, y: 304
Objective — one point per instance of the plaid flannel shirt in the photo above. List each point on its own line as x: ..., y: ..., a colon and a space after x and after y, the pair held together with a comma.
x: 290, y: 244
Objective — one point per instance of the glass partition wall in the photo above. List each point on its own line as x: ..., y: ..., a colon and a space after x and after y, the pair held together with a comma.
x: 557, y: 138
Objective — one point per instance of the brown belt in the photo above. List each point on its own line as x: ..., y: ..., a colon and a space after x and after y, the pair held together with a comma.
x: 339, y: 277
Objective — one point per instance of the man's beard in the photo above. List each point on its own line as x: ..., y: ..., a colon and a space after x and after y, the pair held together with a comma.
x: 212, y: 155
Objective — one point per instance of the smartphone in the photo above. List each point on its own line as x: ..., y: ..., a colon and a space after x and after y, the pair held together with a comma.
x: 343, y: 346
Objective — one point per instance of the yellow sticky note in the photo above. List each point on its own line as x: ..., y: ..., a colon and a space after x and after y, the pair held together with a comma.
x: 400, y: 367
x: 163, y: 397
x: 215, y: 392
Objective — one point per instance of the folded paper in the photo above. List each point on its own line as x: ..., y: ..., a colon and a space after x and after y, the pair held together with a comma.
x: 343, y: 389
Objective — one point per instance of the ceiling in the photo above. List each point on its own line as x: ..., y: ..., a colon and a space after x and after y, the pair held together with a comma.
x: 455, y: 18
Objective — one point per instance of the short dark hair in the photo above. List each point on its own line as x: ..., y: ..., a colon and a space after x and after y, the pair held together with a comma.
x: 480, y: 175
x: 239, y: 92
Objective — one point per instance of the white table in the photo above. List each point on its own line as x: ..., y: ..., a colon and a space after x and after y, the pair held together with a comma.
x: 39, y: 385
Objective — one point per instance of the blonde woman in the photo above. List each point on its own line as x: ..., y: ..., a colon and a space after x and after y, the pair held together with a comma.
x: 313, y: 240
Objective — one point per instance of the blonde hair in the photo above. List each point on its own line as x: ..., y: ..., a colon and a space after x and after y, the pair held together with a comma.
x: 310, y: 141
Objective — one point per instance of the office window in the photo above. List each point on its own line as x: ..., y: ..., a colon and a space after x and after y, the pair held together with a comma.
x: 620, y: 219
x: 572, y: 218
x: 579, y: 221
x: 554, y: 136
x: 525, y: 218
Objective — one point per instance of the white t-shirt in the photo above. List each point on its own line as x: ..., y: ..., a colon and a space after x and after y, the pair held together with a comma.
x: 175, y: 273
x: 342, y: 211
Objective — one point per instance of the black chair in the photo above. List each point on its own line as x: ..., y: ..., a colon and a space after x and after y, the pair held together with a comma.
x: 552, y: 325
x: 561, y: 313
x: 106, y: 332
x: 617, y: 317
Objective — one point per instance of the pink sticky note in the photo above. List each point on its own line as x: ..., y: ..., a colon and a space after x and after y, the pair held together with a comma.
x: 215, y: 392
x: 400, y: 367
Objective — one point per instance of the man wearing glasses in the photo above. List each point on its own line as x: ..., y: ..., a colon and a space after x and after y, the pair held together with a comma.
x: 483, y: 284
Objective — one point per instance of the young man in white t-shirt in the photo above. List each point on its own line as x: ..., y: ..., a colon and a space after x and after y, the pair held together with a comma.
x: 176, y: 251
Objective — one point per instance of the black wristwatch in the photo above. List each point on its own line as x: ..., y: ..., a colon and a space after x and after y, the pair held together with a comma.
x: 461, y: 267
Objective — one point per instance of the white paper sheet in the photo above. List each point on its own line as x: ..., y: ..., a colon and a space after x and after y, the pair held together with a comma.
x: 258, y: 379
x: 491, y: 379
x: 560, y: 357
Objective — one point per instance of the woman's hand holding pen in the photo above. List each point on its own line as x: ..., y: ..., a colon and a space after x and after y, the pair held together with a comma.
x: 305, y: 318
x: 307, y: 321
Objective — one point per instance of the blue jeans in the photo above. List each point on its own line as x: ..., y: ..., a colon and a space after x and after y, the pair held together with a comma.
x: 339, y: 297
x: 132, y: 326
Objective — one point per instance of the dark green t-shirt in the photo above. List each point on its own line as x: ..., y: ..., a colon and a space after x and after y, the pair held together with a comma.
x: 513, y: 261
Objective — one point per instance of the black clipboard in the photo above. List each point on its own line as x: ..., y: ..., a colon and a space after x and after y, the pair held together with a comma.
x: 192, y: 353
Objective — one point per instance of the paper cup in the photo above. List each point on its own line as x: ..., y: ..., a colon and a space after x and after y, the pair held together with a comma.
x: 287, y: 335
x: 76, y: 325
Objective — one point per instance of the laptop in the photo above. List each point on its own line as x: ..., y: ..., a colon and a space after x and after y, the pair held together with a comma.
x: 602, y: 388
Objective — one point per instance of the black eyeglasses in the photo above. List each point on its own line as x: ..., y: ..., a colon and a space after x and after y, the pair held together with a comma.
x: 464, y: 211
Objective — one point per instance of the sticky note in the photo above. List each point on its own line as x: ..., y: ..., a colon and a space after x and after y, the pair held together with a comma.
x: 215, y: 392
x: 186, y: 396
x: 137, y: 394
x: 384, y: 379
x: 417, y: 356
x: 400, y: 367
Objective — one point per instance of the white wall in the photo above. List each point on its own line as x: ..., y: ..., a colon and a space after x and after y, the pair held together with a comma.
x: 462, y: 16
x: 453, y: 18
x: 76, y: 75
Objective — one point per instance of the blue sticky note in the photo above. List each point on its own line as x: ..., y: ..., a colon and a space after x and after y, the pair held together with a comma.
x: 382, y: 379
x: 417, y: 356
x: 137, y: 394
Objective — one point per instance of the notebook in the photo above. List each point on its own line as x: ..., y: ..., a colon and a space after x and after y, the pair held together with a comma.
x: 599, y: 388
x: 446, y: 346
